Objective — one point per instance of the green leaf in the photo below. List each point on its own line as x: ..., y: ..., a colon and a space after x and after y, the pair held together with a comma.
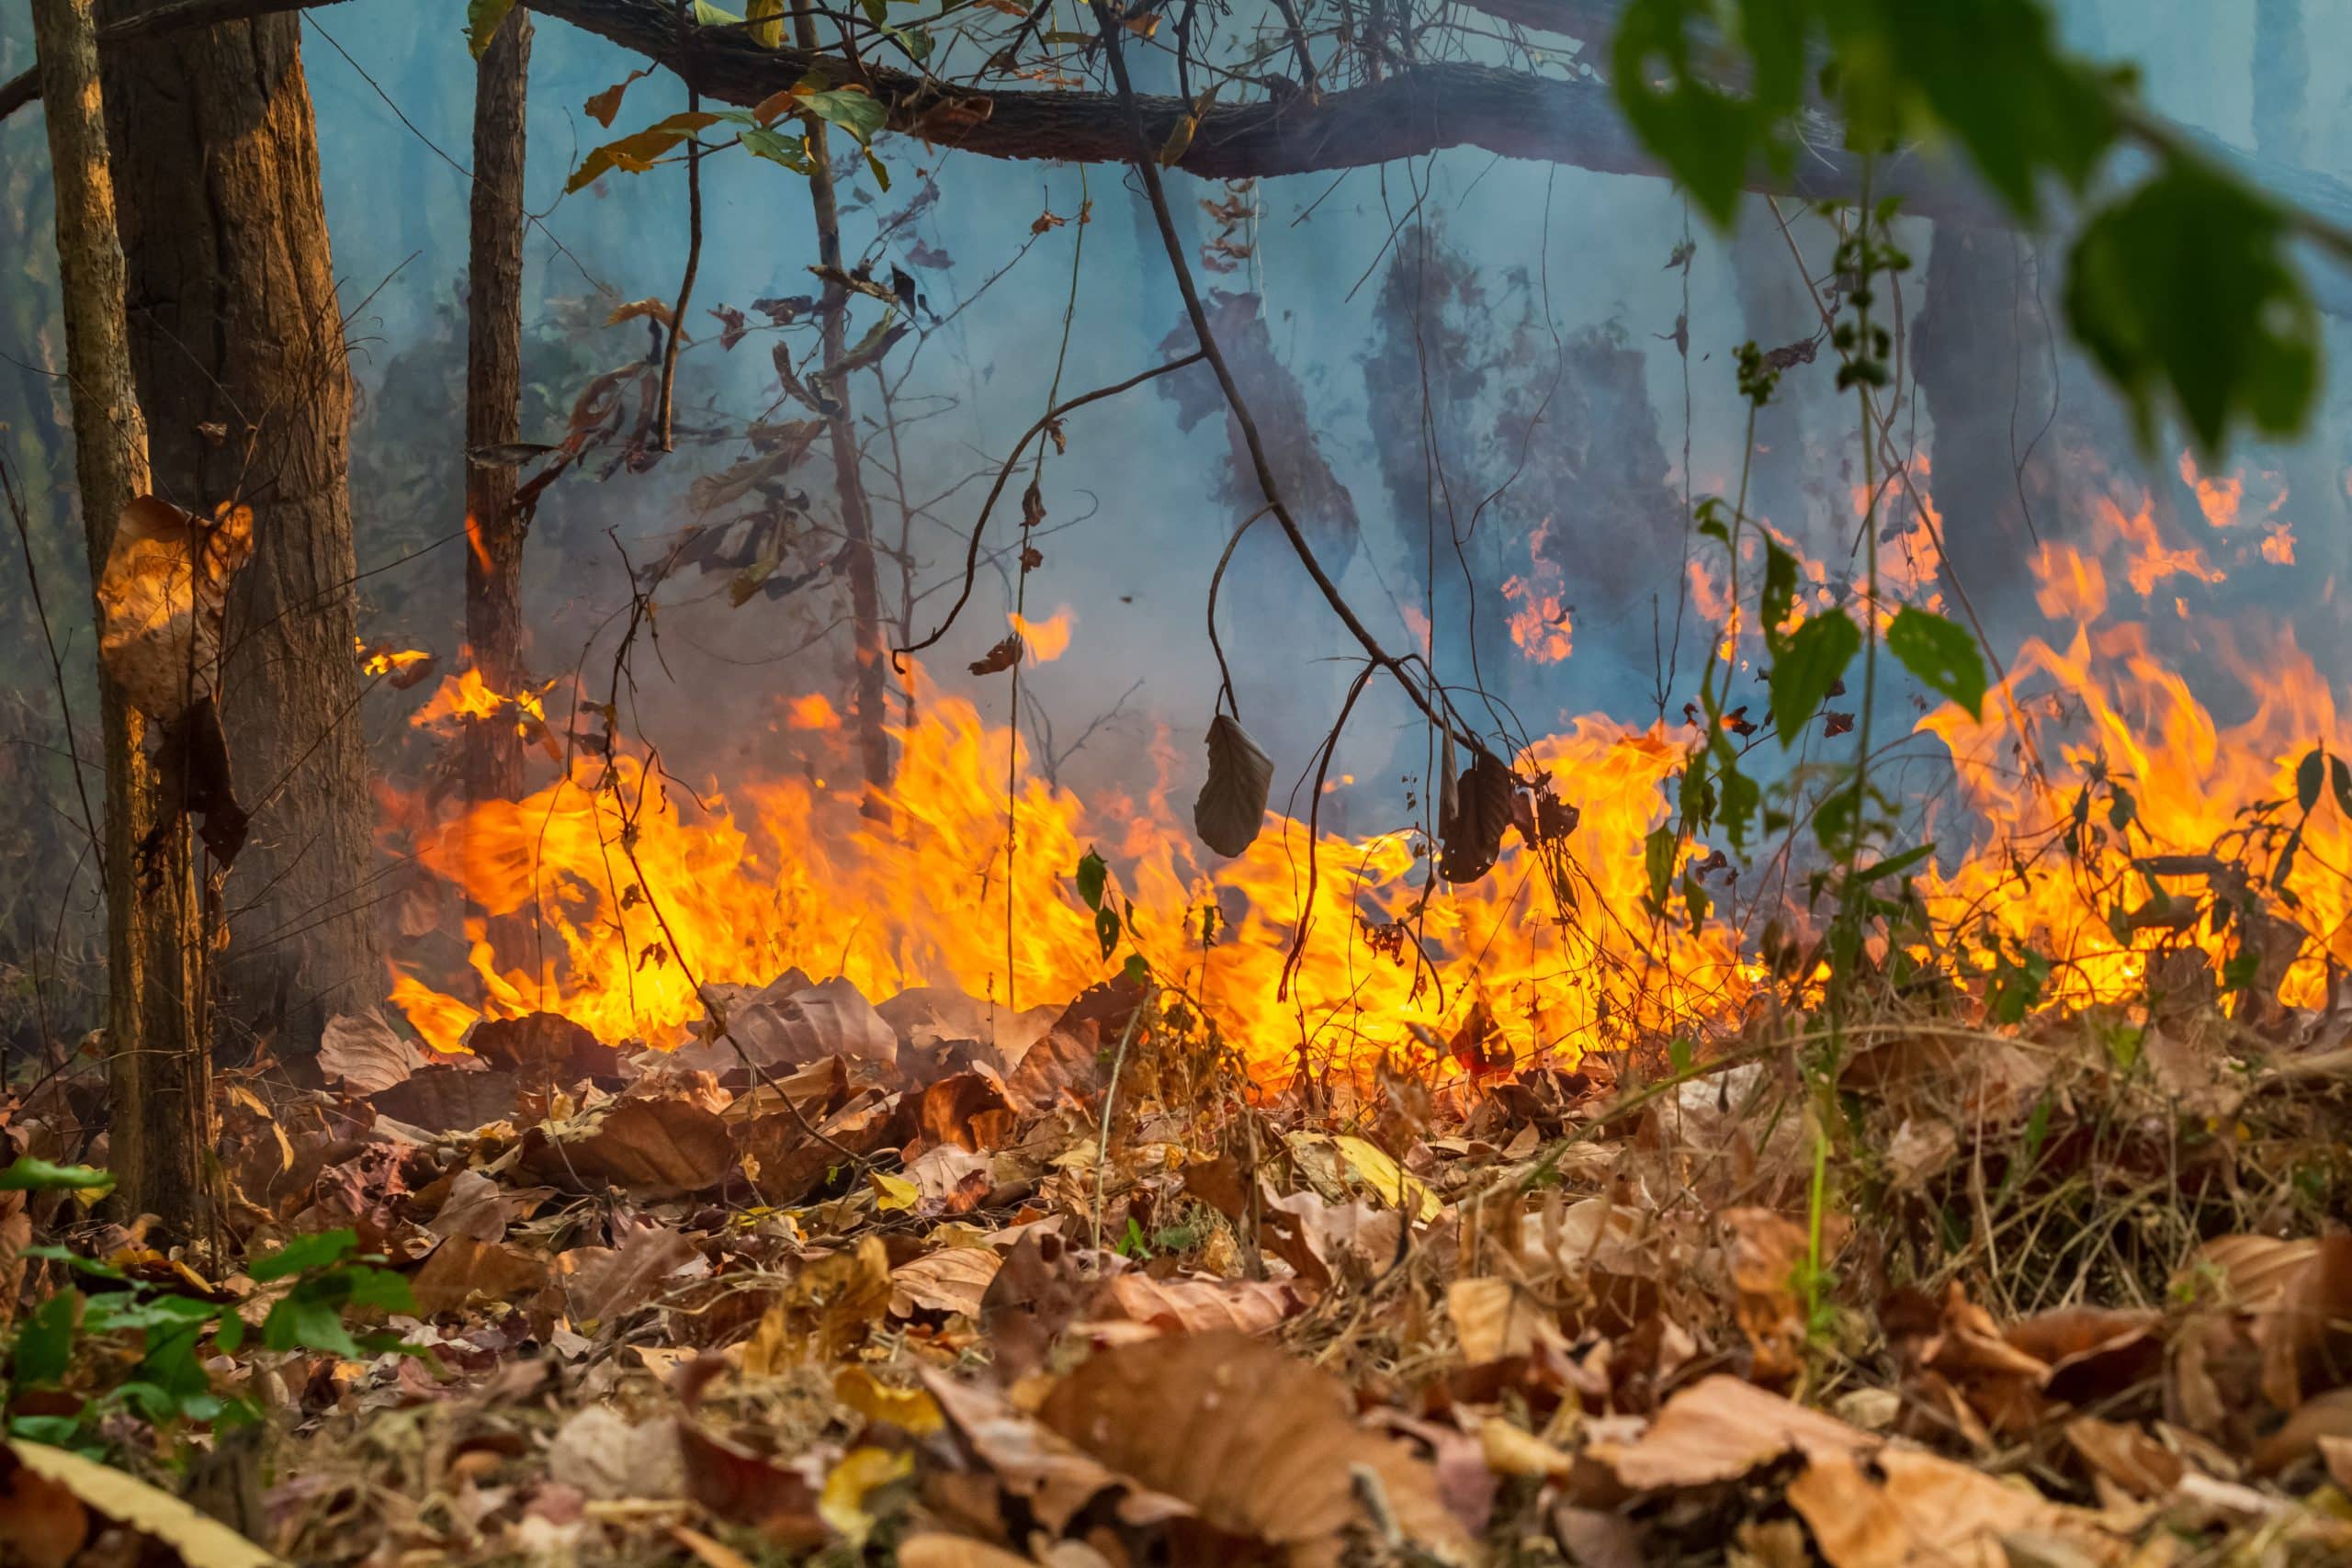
x: 305, y: 1322
x: 314, y: 1251
x: 230, y: 1334
x: 2182, y: 290
x: 1658, y: 860
x: 853, y: 110
x: 2310, y: 774
x: 44, y: 1346
x: 636, y: 152
x: 1779, y: 590
x: 1941, y: 654
x: 32, y: 1174
x: 1708, y: 138
x: 1137, y: 969
x: 1895, y: 865
x: 1809, y: 663
x: 482, y: 20
x: 792, y: 151
x: 1106, y: 929
x: 1093, y: 876
x: 2339, y: 778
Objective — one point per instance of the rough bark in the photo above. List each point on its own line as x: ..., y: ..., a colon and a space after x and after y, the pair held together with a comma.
x: 493, y: 400
x: 237, y: 340
x: 849, y: 478
x: 158, y: 1066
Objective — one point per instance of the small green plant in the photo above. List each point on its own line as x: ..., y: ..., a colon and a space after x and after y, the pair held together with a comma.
x: 106, y: 1341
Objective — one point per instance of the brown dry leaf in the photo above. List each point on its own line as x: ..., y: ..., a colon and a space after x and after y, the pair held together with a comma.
x: 480, y: 1209
x: 746, y: 1488
x: 1493, y: 1318
x: 629, y: 1276
x: 934, y: 1549
x: 2327, y: 1416
x: 2125, y: 1456
x: 1928, y: 1509
x: 1046, y: 1284
x: 2307, y: 1340
x: 1201, y: 1305
x: 361, y: 1052
x: 952, y: 1280
x: 967, y: 1110
x: 1514, y: 1451
x: 2249, y: 1273
x: 443, y: 1097
x: 1767, y: 1252
x: 161, y: 600
x: 540, y: 1048
x: 1719, y: 1429
x: 1323, y: 1240
x: 1003, y: 656
x: 1053, y: 1479
x: 1231, y: 807
x: 461, y: 1269
x: 46, y: 1496
x: 1260, y: 1443
x: 826, y: 1311
x: 651, y: 1148
x: 807, y: 1024
x: 607, y: 1455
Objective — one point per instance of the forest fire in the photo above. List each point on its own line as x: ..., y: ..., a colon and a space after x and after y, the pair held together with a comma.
x: 2099, y: 805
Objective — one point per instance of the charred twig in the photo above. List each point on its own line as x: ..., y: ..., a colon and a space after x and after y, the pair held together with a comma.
x: 1225, y: 674
x: 694, y: 230
x: 1046, y: 421
x: 1146, y: 166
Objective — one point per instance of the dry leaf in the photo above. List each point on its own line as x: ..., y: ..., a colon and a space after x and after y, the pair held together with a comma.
x: 1260, y: 1443
x: 161, y: 600
x: 1051, y: 1478
x: 932, y: 1550
x: 1719, y: 1429
x: 462, y: 1270
x: 1928, y: 1509
x: 360, y: 1051
x: 651, y: 1148
x: 952, y: 1280
x: 629, y: 1276
x: 1201, y: 1305
x: 1493, y: 1318
x: 1471, y: 836
x: 46, y: 1495
x: 1003, y: 656
x: 1231, y: 806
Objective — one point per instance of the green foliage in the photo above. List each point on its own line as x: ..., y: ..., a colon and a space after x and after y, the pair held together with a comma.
x: 2184, y: 286
x: 1941, y: 654
x: 32, y: 1174
x: 1807, y: 664
x: 2180, y: 288
x: 139, y: 1347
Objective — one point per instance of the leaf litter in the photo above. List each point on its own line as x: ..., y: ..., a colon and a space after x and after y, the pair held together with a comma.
x: 851, y: 1281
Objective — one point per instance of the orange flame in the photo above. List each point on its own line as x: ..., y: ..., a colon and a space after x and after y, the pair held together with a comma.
x: 1047, y: 640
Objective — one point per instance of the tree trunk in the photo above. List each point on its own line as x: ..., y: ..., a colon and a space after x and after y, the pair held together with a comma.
x: 158, y: 1066
x: 493, y: 762
x: 237, y: 339
x: 849, y: 481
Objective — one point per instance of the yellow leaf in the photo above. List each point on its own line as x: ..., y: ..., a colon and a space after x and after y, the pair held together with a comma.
x: 860, y: 1473
x: 1386, y: 1177
x: 909, y: 1409
x: 766, y: 17
x: 200, y: 1542
x: 893, y: 1192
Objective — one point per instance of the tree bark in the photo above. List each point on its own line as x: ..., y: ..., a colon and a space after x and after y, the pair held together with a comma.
x: 849, y: 480
x: 237, y: 340
x: 493, y: 762
x: 158, y: 1064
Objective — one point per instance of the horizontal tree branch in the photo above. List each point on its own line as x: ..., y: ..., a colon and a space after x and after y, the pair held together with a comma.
x: 16, y: 93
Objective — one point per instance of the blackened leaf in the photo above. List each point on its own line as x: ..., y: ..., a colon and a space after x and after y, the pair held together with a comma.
x: 1941, y: 654
x: 1232, y: 805
x: 1807, y: 664
x: 1093, y: 875
x: 2310, y: 774
x: 1472, y: 839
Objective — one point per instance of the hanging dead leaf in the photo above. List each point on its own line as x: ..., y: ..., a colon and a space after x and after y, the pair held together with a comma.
x: 602, y: 106
x: 1471, y: 837
x: 1260, y: 1443
x: 1231, y: 806
x: 161, y: 600
x: 360, y: 1051
x: 1003, y: 656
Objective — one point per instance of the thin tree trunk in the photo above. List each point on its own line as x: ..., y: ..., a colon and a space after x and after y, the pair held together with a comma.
x: 237, y: 340
x: 493, y: 760
x: 158, y: 1066
x: 849, y: 481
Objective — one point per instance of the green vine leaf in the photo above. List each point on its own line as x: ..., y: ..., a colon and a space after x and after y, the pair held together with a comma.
x: 1944, y: 657
x: 1810, y: 661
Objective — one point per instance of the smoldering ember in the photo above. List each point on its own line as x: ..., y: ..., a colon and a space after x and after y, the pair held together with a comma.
x: 1372, y: 781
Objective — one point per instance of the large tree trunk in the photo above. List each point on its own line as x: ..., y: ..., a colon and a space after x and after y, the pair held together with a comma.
x: 158, y: 1064
x: 493, y: 763
x: 237, y: 339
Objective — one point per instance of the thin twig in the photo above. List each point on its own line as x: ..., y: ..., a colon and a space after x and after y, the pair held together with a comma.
x: 694, y: 229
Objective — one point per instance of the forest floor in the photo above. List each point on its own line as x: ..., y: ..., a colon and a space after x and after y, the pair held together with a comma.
x: 846, y: 1286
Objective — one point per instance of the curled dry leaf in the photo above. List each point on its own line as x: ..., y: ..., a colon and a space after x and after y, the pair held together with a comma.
x: 361, y: 1052
x: 1201, y: 1305
x: 462, y: 1270
x: 540, y: 1048
x: 161, y: 600
x: 1470, y: 837
x: 651, y: 1148
x: 1493, y: 1318
x: 1261, y: 1445
x: 1002, y: 656
x: 1921, y: 1508
x: 1052, y: 1478
x: 952, y: 1280
x: 628, y: 1276
x: 1231, y: 806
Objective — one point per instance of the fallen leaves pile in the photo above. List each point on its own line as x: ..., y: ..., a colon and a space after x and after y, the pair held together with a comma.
x: 927, y: 1283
